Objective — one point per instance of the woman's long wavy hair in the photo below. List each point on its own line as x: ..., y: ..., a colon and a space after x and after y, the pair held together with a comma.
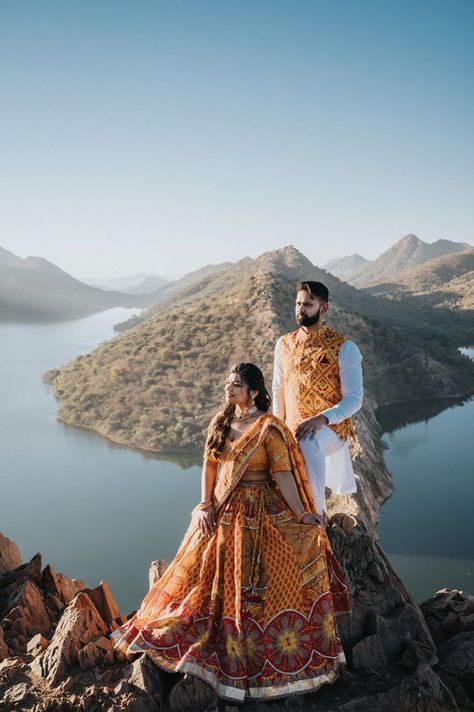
x: 219, y: 428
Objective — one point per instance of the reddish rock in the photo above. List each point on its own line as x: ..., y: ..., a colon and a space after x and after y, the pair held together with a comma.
x: 4, y: 653
x: 104, y: 643
x: 89, y: 656
x: 60, y: 585
x: 37, y: 644
x: 27, y: 605
x: 10, y: 557
x: 103, y: 600
x: 30, y: 570
x: 80, y: 624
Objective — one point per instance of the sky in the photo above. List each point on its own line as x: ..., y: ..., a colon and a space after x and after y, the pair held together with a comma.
x: 148, y: 136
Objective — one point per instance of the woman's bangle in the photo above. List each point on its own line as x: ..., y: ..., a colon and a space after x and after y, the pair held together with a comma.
x: 205, y: 505
x: 300, y: 516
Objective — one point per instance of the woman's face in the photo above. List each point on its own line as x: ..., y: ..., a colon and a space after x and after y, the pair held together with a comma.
x: 237, y: 391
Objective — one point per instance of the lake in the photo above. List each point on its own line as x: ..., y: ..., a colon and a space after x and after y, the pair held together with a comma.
x: 97, y: 510
x: 426, y: 525
x: 93, y: 509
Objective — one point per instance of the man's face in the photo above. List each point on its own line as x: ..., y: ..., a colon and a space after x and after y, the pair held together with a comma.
x: 308, y: 310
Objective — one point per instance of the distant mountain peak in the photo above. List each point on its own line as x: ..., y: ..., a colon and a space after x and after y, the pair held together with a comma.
x: 345, y: 267
x: 9, y: 258
x: 406, y: 253
x: 409, y: 239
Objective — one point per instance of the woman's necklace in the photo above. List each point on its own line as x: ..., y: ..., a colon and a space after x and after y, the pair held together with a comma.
x: 244, y: 413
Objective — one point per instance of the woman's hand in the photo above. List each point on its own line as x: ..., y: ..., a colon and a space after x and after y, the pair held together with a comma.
x: 207, y: 520
x: 313, y: 519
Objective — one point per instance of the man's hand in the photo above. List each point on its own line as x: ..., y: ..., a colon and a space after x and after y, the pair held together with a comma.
x: 315, y: 519
x: 310, y: 426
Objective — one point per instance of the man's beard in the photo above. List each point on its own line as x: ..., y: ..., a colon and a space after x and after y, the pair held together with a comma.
x: 309, y: 320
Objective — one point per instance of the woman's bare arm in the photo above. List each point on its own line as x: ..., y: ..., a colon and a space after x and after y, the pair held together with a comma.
x: 206, y: 517
x: 208, y: 479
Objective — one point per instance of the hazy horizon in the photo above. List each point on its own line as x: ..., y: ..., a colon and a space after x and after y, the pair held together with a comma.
x: 170, y: 277
x: 159, y: 137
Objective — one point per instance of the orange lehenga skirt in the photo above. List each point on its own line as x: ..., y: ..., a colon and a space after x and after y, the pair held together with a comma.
x: 251, y: 609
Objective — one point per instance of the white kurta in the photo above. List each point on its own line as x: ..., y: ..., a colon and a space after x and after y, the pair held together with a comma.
x: 327, y: 455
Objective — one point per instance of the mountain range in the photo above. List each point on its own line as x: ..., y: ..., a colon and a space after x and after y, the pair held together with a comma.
x: 156, y: 385
x: 446, y: 281
x: 408, y: 252
x: 33, y: 289
x: 140, y: 283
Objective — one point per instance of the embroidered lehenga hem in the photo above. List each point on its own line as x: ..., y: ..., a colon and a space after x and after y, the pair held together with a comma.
x: 227, y: 692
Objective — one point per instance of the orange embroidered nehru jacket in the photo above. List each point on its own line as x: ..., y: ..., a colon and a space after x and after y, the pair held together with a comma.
x: 310, y: 363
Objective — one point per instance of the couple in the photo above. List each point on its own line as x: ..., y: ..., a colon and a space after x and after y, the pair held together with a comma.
x: 249, y: 603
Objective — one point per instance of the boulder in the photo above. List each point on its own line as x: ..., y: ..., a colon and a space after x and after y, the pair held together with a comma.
x: 144, y: 675
x: 4, y: 652
x: 89, y: 656
x: 10, y: 557
x: 386, y: 626
x: 105, y: 603
x: 36, y: 645
x: 422, y: 692
x: 80, y: 624
x: 30, y: 570
x: 17, y: 694
x: 456, y: 658
x: 27, y: 605
x: 59, y: 585
x: 190, y: 693
x: 448, y: 613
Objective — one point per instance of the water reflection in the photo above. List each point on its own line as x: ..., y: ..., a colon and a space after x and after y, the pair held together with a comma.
x: 426, y: 525
x: 399, y: 415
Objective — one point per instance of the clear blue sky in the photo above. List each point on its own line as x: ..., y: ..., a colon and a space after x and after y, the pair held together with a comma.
x: 160, y: 136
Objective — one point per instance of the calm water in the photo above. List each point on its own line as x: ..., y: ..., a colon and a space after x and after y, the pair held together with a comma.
x: 96, y: 510
x: 93, y: 509
x: 426, y: 526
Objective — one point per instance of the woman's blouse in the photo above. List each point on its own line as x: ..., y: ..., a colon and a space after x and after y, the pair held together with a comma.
x: 271, y: 455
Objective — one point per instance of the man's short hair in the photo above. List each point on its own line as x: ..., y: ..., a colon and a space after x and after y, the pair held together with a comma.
x: 316, y: 289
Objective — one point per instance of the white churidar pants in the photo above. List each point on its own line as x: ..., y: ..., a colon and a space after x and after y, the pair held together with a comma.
x: 328, y: 464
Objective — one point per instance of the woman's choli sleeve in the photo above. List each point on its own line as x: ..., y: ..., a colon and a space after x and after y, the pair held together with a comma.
x: 277, y: 452
x: 207, y: 454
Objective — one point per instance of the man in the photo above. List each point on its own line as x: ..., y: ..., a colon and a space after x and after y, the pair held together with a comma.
x: 317, y: 387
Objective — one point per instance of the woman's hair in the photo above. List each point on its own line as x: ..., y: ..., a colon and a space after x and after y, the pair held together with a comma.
x: 220, y: 425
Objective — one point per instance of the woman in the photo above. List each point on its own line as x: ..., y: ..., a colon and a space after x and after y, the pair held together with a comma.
x: 249, y: 602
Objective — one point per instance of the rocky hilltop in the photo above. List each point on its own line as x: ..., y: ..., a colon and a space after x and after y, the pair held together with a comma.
x: 157, y: 385
x: 56, y: 654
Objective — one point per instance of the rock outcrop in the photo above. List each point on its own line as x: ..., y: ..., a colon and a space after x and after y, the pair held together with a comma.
x: 57, y: 654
